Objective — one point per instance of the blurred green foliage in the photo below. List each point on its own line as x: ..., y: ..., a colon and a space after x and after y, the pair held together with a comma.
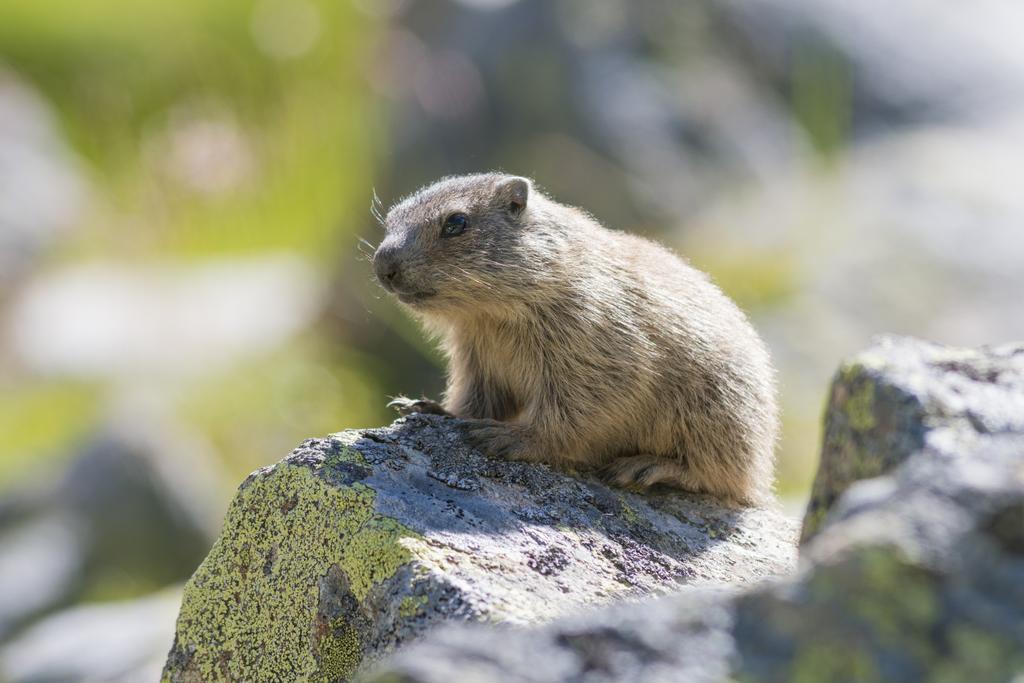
x: 121, y: 72
x: 41, y: 418
x: 294, y: 133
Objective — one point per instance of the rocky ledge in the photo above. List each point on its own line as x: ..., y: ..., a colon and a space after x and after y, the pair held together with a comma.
x: 912, y: 562
x: 913, y: 567
x: 359, y: 542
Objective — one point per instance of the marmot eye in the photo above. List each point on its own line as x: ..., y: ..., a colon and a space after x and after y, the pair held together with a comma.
x: 454, y: 225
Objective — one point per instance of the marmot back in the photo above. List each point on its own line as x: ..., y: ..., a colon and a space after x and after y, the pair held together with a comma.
x: 569, y: 343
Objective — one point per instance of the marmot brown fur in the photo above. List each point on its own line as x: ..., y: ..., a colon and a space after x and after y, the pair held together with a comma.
x: 572, y: 344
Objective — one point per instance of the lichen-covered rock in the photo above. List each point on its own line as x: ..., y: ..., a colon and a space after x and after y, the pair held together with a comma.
x: 900, y: 395
x: 916, y: 575
x: 361, y: 541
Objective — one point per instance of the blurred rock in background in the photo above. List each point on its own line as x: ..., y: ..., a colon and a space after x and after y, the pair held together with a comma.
x: 921, y: 61
x: 118, y: 642
x: 135, y: 510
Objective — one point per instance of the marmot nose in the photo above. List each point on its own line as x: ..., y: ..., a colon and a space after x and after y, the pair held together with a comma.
x: 387, y: 268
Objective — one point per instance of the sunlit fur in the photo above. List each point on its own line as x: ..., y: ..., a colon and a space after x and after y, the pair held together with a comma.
x: 573, y: 344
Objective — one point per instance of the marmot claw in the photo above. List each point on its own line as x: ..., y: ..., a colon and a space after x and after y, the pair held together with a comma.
x: 408, y: 406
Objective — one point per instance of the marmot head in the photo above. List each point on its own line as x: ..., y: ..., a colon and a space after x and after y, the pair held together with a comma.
x: 456, y: 243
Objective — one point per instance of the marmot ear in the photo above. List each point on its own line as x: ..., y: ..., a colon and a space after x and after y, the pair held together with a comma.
x: 514, y: 193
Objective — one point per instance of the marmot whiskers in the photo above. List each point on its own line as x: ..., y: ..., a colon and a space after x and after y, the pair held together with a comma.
x: 572, y: 344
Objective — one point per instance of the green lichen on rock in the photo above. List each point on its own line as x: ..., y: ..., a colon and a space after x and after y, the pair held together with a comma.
x: 376, y: 539
x: 902, y: 598
x: 246, y: 611
x: 854, y: 394
x: 628, y: 513
x: 860, y: 407
x: 341, y: 652
x: 345, y: 453
x: 831, y: 661
x: 411, y: 605
x: 978, y: 654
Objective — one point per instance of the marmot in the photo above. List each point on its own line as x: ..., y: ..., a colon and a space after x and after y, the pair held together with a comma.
x: 572, y: 344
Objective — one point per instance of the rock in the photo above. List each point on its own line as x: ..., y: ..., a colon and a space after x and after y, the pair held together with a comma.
x: 362, y: 541
x: 901, y: 395
x: 898, y: 74
x: 916, y: 575
x: 143, y: 498
x: 121, y: 642
x: 44, y: 556
x: 132, y: 510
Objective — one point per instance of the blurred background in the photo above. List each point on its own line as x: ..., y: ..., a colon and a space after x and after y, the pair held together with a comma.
x: 185, y: 188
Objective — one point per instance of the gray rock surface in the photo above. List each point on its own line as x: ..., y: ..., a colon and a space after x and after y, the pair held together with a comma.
x: 915, y: 575
x: 364, y: 540
x: 901, y: 395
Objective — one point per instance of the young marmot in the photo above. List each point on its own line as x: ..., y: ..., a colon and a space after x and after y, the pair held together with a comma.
x: 572, y: 344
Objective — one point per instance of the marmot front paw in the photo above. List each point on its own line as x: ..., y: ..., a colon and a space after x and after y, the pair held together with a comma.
x: 499, y: 439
